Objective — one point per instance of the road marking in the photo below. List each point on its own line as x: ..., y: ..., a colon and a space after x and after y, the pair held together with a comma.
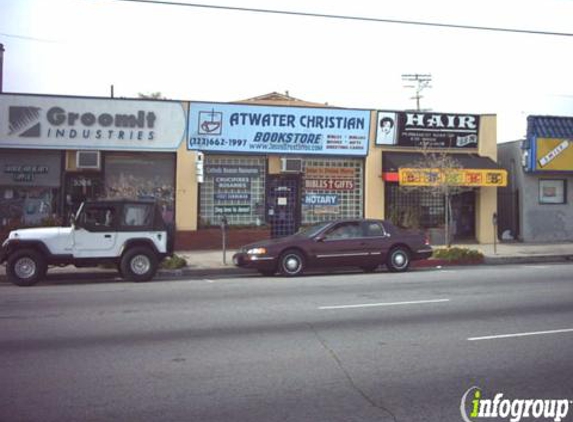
x: 533, y: 333
x: 372, y: 305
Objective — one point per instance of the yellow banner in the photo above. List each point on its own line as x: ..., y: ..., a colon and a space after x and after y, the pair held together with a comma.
x: 554, y: 154
x: 452, y: 177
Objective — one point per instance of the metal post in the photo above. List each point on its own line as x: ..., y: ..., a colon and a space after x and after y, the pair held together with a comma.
x: 224, y: 232
x: 494, y: 221
x: 1, y: 66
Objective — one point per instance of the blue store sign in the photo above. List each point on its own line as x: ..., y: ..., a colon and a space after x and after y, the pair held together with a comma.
x: 278, y: 130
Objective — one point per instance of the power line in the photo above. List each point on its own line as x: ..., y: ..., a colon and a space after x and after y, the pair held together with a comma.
x: 353, y: 18
x: 26, y: 38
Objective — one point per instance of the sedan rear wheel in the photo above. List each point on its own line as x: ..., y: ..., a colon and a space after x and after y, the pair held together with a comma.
x: 291, y: 263
x: 398, y: 259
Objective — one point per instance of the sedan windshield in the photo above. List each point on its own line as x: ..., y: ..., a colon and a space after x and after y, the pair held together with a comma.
x: 310, y: 231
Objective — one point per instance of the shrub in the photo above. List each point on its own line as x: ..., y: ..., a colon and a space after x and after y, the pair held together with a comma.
x: 458, y: 254
x: 173, y: 263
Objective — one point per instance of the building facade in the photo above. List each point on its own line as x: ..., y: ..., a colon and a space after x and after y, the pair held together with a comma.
x: 56, y: 152
x: 536, y: 205
x: 264, y: 166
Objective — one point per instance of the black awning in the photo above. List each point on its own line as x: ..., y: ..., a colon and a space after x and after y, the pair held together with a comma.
x: 392, y: 161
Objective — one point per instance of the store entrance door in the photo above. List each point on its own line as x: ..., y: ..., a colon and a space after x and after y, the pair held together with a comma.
x: 283, y: 204
x: 80, y: 187
x: 464, y: 216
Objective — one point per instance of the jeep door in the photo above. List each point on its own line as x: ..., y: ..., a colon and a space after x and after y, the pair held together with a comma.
x: 95, y: 233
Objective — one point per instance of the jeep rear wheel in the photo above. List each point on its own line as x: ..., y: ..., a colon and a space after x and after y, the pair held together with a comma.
x: 138, y: 264
x: 26, y: 267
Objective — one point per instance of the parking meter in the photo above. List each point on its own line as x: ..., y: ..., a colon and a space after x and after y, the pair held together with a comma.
x: 224, y: 224
x: 494, y: 222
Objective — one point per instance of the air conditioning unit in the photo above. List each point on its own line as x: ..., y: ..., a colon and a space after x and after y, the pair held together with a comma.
x: 291, y: 165
x: 88, y: 160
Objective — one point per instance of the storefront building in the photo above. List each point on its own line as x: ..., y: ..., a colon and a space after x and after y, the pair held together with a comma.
x: 265, y: 166
x: 58, y: 151
x: 418, y: 158
x: 536, y: 204
x: 273, y: 165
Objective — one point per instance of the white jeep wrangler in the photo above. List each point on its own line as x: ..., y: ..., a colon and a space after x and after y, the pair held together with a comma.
x: 129, y: 234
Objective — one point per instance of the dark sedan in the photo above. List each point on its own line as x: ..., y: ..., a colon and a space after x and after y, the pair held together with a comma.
x: 365, y: 244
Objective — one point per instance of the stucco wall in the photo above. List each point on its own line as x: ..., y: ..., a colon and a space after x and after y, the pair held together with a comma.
x: 187, y: 189
x: 374, y: 185
x: 486, y: 197
x: 538, y: 222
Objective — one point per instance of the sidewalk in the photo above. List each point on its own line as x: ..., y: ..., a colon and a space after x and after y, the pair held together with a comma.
x: 208, y: 263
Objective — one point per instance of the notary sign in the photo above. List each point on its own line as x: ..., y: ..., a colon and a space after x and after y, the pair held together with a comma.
x: 431, y: 130
x: 33, y: 121
x: 284, y: 130
x: 452, y: 177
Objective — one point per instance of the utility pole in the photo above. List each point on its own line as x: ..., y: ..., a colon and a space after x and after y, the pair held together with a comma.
x: 420, y: 82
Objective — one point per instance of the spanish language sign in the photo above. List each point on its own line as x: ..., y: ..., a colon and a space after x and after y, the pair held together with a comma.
x: 554, y: 154
x: 452, y: 177
x: 283, y: 130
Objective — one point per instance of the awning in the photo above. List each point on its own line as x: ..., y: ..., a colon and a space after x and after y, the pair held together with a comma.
x: 403, y: 167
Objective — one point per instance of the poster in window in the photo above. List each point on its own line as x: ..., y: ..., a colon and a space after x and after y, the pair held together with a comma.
x: 552, y: 191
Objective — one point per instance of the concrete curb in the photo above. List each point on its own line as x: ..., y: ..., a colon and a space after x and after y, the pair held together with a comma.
x: 535, y: 259
x: 205, y: 272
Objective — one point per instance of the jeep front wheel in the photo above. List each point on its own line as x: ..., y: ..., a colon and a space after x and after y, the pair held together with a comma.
x: 138, y: 264
x: 26, y: 267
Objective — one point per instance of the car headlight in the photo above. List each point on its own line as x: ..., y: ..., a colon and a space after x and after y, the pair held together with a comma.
x: 257, y: 251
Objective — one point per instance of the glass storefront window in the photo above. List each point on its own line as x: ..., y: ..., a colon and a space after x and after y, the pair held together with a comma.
x: 27, y: 206
x: 332, y: 189
x: 233, y: 186
x: 414, y: 209
x: 142, y: 176
x: 29, y: 188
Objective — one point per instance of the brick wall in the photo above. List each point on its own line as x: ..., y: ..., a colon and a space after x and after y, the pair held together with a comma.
x: 212, y: 238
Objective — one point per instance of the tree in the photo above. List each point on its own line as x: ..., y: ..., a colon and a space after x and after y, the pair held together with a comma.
x: 151, y: 96
x: 439, y: 173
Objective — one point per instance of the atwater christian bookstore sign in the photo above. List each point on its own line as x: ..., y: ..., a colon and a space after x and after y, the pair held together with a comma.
x: 278, y: 130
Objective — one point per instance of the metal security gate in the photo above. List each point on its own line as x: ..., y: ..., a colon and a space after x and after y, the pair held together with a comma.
x: 508, y: 214
x: 283, y: 204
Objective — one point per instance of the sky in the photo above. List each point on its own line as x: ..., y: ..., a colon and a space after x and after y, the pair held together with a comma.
x: 83, y: 47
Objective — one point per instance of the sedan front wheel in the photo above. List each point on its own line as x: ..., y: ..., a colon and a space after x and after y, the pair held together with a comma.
x: 291, y: 263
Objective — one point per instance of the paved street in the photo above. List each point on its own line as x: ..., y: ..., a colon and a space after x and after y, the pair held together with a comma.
x: 338, y: 347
